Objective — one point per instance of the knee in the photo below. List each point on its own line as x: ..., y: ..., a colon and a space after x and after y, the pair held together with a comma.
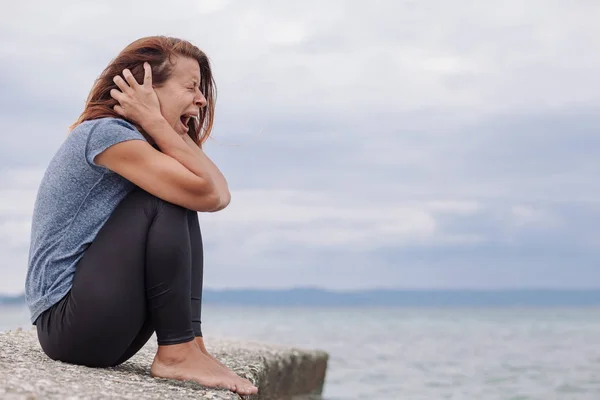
x: 153, y: 205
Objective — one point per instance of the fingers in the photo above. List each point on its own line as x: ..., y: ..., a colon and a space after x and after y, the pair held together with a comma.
x: 130, y: 78
x: 119, y: 110
x: 121, y: 84
x: 118, y: 96
x: 132, y: 97
x: 147, y: 75
x: 127, y: 84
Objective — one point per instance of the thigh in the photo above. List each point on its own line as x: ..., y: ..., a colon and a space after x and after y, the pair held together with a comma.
x: 105, y: 314
x: 138, y: 342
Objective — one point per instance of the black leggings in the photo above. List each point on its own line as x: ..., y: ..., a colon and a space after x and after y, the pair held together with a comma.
x: 143, y: 273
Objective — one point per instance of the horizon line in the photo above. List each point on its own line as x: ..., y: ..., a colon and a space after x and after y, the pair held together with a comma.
x: 394, y: 289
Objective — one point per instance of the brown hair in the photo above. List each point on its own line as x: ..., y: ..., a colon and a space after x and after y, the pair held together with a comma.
x: 158, y: 51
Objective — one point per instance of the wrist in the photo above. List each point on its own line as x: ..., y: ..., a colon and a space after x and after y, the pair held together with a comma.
x: 155, y: 123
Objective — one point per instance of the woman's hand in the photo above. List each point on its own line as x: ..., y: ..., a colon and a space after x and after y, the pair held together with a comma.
x: 138, y: 103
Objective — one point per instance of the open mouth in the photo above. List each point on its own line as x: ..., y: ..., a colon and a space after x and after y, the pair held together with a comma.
x: 185, y: 121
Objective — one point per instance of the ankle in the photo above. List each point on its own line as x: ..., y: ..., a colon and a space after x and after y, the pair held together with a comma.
x: 175, y: 353
x: 200, y: 343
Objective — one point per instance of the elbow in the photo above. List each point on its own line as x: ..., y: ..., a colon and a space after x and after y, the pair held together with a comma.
x: 212, y: 202
x: 226, y: 199
x: 207, y: 202
x: 210, y: 197
x: 223, y: 201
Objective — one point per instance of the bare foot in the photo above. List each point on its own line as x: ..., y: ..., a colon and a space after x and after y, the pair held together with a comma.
x: 187, y: 362
x: 244, y: 386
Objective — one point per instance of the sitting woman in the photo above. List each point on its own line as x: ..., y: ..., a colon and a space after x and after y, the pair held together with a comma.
x: 116, y: 251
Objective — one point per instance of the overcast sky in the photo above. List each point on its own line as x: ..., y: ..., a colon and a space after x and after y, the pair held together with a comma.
x: 412, y: 144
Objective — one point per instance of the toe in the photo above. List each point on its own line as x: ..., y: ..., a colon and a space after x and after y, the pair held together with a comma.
x: 250, y: 389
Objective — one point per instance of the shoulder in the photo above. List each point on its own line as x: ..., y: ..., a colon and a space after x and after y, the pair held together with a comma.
x: 108, y: 129
x: 102, y: 133
x: 107, y: 124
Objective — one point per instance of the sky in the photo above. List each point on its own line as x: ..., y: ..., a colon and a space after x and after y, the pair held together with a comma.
x: 399, y: 144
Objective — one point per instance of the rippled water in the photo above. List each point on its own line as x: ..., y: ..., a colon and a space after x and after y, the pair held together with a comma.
x: 400, y: 353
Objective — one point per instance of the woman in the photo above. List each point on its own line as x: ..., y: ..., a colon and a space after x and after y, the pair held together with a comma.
x: 116, y: 250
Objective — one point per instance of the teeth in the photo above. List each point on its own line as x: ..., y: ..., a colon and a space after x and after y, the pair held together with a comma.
x: 194, y: 117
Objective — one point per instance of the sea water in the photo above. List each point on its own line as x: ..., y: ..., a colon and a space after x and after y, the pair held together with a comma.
x: 412, y: 353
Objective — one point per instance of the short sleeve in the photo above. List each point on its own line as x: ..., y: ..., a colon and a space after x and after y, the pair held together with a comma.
x: 108, y: 132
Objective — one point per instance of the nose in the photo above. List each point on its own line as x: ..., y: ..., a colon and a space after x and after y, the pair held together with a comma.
x: 200, y: 100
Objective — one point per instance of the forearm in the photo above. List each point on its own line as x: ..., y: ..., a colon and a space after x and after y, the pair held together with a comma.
x: 216, y: 174
x: 171, y: 144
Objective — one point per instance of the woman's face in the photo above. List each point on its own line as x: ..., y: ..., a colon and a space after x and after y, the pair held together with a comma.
x: 180, y: 97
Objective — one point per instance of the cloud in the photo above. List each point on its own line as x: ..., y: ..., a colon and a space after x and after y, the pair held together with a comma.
x: 390, y: 56
x: 402, y: 144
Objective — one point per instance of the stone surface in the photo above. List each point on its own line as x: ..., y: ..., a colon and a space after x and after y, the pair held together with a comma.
x: 279, y: 372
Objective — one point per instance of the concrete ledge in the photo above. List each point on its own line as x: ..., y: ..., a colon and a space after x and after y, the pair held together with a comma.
x: 279, y: 373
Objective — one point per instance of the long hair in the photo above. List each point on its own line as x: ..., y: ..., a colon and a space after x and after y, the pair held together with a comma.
x: 158, y: 51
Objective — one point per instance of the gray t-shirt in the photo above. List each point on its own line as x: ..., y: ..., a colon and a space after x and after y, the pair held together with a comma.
x: 75, y: 198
